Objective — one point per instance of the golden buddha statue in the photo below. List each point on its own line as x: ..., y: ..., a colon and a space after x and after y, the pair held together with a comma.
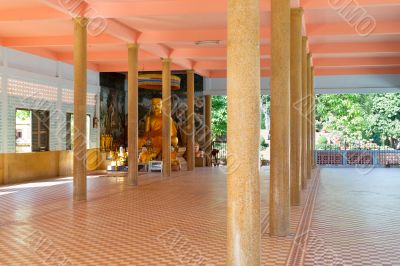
x: 153, y: 132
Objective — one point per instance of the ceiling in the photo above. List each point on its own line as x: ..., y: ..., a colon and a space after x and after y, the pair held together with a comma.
x: 363, y: 38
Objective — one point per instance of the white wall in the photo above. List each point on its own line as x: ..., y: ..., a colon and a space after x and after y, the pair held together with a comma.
x: 34, y: 82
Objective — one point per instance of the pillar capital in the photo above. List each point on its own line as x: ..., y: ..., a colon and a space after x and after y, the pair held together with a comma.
x: 190, y: 71
x: 296, y: 11
x: 133, y: 45
x: 166, y: 60
x: 81, y: 20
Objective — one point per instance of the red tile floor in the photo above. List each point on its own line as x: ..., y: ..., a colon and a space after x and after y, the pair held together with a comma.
x: 182, y: 221
x: 356, y: 218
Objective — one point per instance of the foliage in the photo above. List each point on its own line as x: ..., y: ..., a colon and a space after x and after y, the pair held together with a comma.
x: 360, y: 116
x: 265, y: 111
x: 23, y: 115
x: 323, y: 140
x: 353, y: 117
x: 219, y: 116
x: 263, y: 144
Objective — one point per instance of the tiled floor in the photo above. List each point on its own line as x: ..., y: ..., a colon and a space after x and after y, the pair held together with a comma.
x: 356, y: 218
x: 182, y: 221
x: 177, y: 221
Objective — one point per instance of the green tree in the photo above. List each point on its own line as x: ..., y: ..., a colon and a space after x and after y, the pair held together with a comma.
x: 386, y: 117
x: 23, y: 114
x: 218, y: 117
x: 349, y: 115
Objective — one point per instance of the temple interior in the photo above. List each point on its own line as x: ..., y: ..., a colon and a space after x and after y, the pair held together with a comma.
x: 213, y: 132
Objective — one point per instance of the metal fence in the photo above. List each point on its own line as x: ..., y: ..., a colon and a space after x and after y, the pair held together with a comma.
x: 346, y: 155
x: 357, y: 154
x: 219, y: 152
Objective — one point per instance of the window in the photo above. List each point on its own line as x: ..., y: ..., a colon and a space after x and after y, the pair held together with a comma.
x: 32, y: 130
x: 70, y: 131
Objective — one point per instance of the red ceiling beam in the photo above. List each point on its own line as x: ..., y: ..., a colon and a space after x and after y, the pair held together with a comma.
x: 328, y: 72
x: 148, y: 66
x: 360, y: 62
x: 343, y: 28
x: 221, y: 64
x: 31, y: 13
x: 373, y: 47
x: 165, y: 8
x: 223, y: 74
x: 49, y: 41
x: 357, y: 71
x: 108, y: 56
x: 318, y: 4
x: 190, y: 36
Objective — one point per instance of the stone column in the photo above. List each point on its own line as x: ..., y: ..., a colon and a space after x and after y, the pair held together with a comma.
x: 133, y: 135
x: 190, y: 121
x: 80, y: 90
x: 166, y: 118
x: 207, y: 130
x: 243, y: 176
x: 295, y: 105
x: 304, y: 75
x: 313, y: 116
x: 280, y: 118
x: 309, y: 111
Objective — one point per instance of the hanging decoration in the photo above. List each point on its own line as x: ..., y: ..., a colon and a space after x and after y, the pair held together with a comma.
x: 154, y: 82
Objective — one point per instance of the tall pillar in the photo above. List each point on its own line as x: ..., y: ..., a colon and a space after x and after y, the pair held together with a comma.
x: 166, y: 118
x: 133, y: 114
x: 280, y: 118
x: 313, y: 116
x: 304, y: 75
x: 190, y: 121
x: 295, y: 105
x: 80, y: 90
x: 243, y: 210
x: 309, y: 111
x: 208, y: 131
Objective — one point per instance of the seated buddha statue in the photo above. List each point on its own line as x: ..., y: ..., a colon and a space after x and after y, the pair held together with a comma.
x: 153, y: 132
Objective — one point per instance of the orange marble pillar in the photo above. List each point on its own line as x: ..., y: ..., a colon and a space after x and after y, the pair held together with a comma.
x: 190, y: 122
x: 295, y: 105
x: 309, y: 119
x: 80, y: 90
x: 166, y: 118
x: 243, y: 176
x: 304, y: 76
x: 133, y: 135
x: 313, y: 116
x: 279, y: 203
x: 208, y: 137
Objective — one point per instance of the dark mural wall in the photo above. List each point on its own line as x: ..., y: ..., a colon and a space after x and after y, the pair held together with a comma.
x: 113, y: 95
x: 112, y: 106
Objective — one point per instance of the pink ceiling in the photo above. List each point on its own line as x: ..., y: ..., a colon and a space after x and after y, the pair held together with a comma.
x: 172, y: 28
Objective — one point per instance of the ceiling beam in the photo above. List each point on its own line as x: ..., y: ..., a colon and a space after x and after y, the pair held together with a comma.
x: 367, y: 47
x: 31, y: 13
x: 191, y: 36
x: 357, y: 71
x: 318, y: 4
x: 148, y: 66
x: 359, y: 62
x: 108, y: 56
x: 165, y: 8
x: 343, y: 28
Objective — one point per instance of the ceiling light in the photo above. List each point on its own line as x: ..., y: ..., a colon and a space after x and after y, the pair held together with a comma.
x: 208, y: 42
